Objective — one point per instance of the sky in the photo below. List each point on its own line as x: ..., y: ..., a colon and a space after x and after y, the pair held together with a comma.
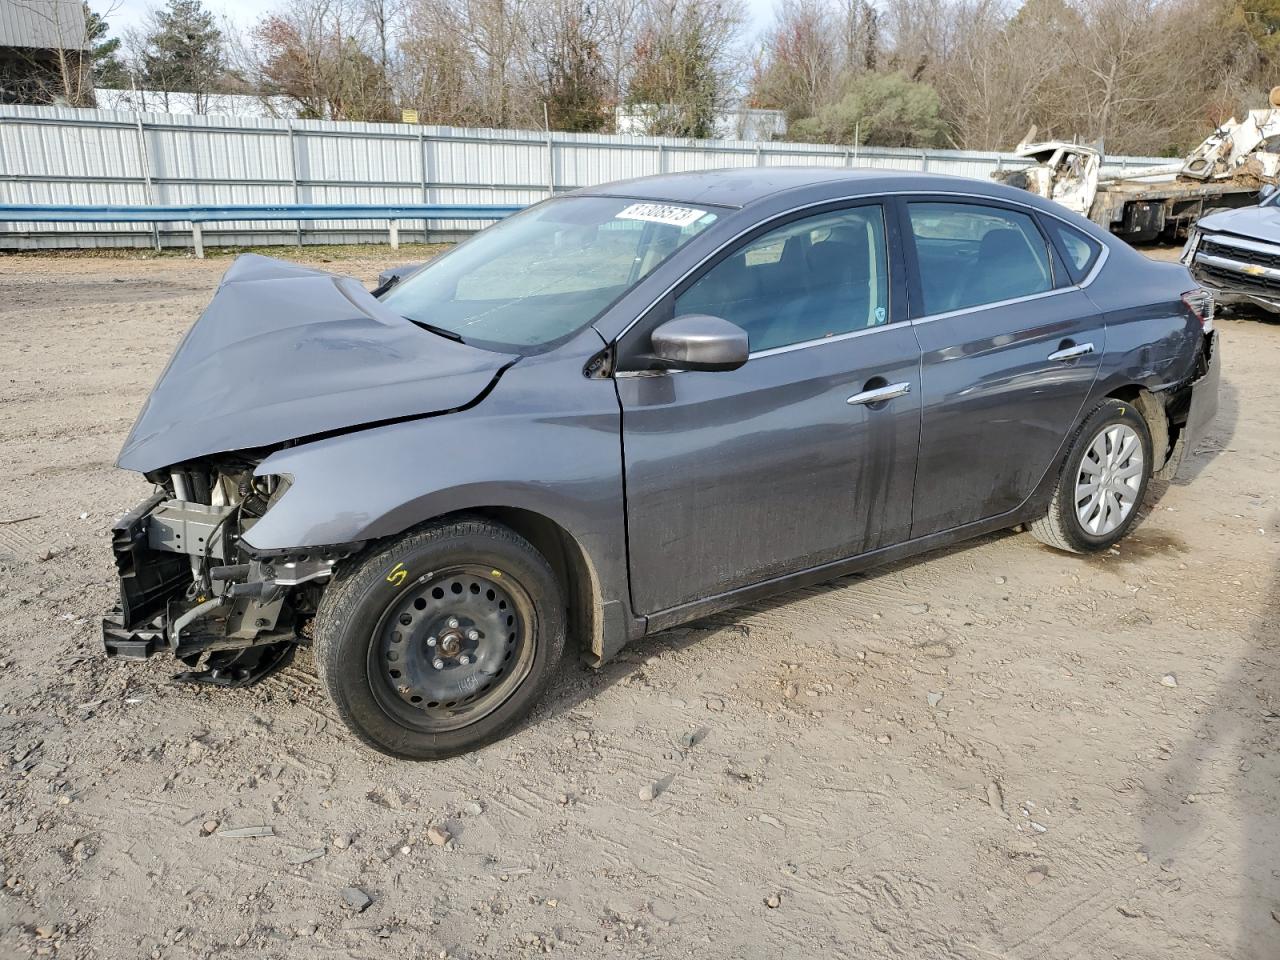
x: 243, y: 13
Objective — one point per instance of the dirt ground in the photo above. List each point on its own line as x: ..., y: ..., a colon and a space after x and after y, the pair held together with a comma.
x: 993, y: 751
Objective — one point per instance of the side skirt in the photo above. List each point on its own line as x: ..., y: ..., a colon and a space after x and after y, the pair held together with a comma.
x: 674, y: 616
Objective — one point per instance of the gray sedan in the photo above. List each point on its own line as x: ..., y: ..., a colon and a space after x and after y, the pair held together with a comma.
x: 629, y: 407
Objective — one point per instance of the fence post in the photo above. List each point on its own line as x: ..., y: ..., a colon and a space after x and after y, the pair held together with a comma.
x: 551, y: 165
x: 146, y: 176
x: 924, y: 161
x: 197, y: 239
x: 293, y: 175
x: 662, y: 158
x: 393, y: 229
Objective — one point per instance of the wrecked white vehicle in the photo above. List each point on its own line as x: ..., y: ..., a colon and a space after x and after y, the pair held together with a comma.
x: 1064, y: 172
x: 1161, y: 202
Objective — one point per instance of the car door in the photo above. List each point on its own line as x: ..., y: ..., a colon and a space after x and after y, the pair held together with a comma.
x: 1010, y: 346
x: 803, y: 455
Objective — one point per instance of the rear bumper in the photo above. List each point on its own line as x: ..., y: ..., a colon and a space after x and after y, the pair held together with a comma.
x: 1204, y: 396
x: 1201, y: 404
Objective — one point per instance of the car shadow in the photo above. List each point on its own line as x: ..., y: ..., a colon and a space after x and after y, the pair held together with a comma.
x: 576, y: 685
x: 1221, y: 781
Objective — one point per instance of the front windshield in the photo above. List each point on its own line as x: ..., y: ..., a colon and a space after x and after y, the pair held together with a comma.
x: 547, y: 271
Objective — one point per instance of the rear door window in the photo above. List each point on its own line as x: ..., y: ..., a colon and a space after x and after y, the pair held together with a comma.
x: 969, y: 254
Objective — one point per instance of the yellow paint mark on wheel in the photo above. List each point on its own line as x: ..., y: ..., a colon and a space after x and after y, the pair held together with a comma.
x: 397, y: 575
x: 496, y: 573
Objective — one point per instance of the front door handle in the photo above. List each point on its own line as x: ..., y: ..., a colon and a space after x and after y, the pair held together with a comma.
x: 878, y: 394
x: 1072, y: 353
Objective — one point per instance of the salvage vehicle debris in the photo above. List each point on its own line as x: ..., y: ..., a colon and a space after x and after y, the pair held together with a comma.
x: 630, y: 407
x: 1225, y: 171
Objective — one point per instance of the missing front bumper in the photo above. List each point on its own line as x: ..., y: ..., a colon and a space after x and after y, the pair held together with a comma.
x: 177, y: 593
x: 189, y: 587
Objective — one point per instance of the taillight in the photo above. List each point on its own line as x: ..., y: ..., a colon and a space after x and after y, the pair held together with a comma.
x: 1200, y: 302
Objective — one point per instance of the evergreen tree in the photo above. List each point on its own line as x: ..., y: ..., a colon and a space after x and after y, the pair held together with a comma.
x: 1262, y: 19
x: 183, y: 51
x: 104, y: 52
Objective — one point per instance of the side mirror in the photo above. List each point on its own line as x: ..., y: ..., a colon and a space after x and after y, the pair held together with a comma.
x: 700, y: 342
x: 1266, y: 192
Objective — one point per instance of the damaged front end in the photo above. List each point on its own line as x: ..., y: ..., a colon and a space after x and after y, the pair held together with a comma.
x: 192, y: 586
x: 1236, y: 254
x: 283, y: 355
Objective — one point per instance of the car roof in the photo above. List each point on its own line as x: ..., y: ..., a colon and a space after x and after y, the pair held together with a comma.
x: 742, y: 186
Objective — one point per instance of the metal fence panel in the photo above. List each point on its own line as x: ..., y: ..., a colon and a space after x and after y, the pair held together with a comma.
x: 64, y: 155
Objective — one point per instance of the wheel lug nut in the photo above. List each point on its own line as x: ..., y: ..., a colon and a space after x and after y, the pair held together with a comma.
x: 464, y: 659
x: 431, y: 641
x: 453, y: 622
x: 473, y: 634
x: 438, y: 663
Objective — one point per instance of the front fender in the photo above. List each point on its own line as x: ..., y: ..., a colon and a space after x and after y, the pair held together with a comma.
x: 545, y: 440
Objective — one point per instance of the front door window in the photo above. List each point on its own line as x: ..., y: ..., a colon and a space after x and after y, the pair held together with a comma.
x: 813, y: 278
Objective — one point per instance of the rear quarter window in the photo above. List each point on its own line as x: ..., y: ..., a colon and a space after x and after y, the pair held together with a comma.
x: 1079, y: 249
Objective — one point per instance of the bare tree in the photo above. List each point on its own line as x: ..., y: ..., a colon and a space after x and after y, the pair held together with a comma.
x: 799, y: 70
x: 497, y: 30
x: 686, y: 69
x: 986, y: 70
x: 324, y: 55
x: 567, y: 63
x: 859, y: 35
x: 437, y: 65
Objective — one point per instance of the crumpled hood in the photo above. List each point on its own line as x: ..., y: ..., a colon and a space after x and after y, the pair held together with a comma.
x: 1256, y: 223
x: 284, y: 351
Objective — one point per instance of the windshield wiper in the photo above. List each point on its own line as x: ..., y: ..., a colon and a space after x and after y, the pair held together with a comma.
x: 438, y: 331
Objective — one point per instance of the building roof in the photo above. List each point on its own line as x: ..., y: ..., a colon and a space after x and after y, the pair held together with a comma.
x: 43, y: 24
x: 208, y: 104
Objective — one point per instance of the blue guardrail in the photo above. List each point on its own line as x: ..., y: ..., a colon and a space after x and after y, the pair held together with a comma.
x: 197, y: 215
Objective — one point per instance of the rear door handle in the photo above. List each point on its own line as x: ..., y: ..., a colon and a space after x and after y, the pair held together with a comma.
x: 876, y: 395
x: 1072, y: 353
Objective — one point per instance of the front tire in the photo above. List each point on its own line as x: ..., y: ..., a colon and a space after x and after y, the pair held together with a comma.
x: 442, y: 640
x: 1103, y: 482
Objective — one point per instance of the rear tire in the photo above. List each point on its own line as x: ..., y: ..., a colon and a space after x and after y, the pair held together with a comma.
x: 1103, y: 482
x: 442, y: 640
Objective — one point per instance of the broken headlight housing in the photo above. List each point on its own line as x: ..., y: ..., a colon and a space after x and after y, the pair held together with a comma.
x: 1189, y: 250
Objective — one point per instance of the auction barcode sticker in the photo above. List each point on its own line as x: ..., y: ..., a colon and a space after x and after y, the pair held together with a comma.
x: 661, y: 213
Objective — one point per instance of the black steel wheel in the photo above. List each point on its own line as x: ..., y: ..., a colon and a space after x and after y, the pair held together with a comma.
x: 441, y: 641
x: 452, y: 647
